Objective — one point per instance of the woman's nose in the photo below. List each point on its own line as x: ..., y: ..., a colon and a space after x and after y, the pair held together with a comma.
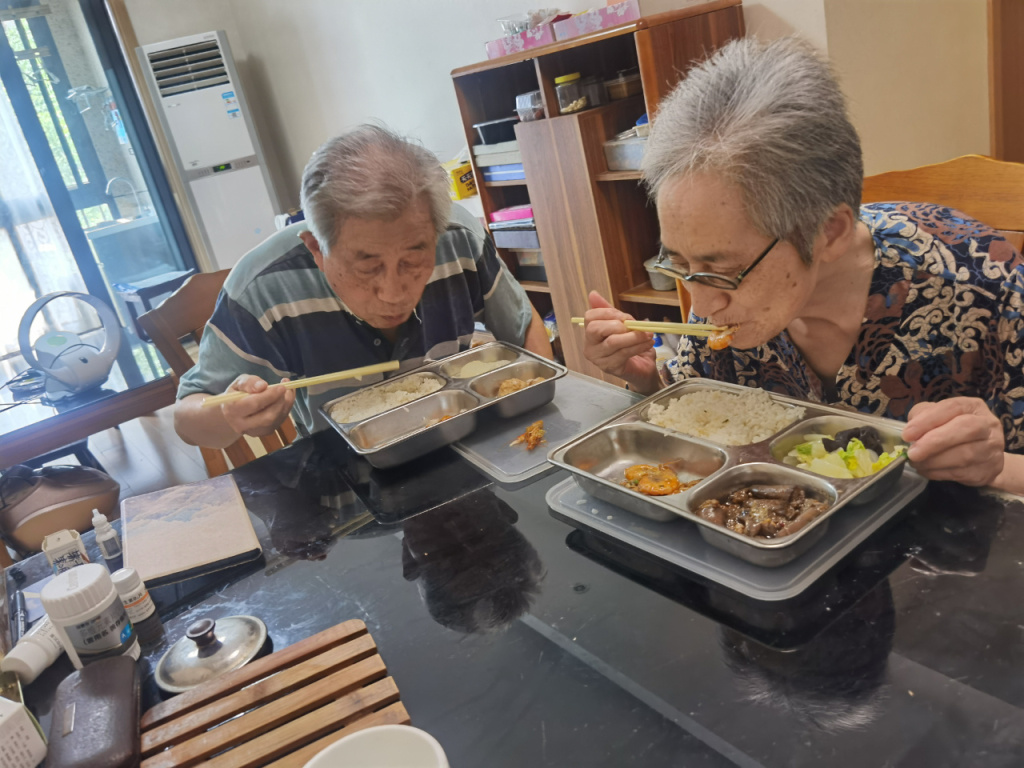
x: 707, y: 301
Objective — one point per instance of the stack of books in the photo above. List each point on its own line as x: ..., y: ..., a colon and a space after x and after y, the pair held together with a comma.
x: 499, y: 162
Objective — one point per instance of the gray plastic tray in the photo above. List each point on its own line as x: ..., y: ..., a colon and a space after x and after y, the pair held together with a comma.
x: 580, y: 402
x: 680, y: 543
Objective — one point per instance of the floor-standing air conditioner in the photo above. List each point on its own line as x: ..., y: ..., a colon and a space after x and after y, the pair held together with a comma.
x: 207, y: 122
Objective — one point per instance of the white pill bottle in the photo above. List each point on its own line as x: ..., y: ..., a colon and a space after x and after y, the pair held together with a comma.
x: 88, y: 615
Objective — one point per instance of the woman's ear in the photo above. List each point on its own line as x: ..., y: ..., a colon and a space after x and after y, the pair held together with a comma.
x: 837, y: 233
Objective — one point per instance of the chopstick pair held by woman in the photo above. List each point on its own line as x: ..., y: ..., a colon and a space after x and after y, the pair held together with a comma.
x: 906, y: 310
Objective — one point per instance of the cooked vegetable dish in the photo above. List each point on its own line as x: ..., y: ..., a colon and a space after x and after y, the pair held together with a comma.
x: 851, y: 453
x: 764, y: 511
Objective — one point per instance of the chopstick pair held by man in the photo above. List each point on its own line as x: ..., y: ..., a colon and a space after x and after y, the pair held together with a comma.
x: 385, y: 268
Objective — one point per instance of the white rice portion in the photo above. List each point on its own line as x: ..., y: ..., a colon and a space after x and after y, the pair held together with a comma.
x: 384, y: 397
x: 477, y: 367
x: 724, y: 417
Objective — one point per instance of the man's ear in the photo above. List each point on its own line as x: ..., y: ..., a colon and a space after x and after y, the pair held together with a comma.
x: 314, y: 248
x: 837, y: 233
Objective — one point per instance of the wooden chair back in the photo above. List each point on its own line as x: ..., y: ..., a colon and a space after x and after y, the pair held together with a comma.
x: 183, y: 315
x: 991, y: 191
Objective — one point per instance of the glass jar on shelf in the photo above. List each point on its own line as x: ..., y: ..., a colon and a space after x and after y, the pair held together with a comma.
x: 569, y: 90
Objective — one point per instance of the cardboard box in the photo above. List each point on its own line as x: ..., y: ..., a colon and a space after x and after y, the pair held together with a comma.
x: 523, y: 41
x: 21, y: 740
x: 461, y: 183
x: 614, y: 14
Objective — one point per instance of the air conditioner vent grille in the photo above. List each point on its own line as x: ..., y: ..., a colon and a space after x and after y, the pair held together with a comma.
x: 188, y: 68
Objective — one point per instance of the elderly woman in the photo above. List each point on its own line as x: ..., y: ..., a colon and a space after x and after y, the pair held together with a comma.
x: 905, y: 310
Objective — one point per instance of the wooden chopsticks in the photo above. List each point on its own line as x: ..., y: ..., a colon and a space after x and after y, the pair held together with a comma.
x: 354, y: 373
x: 679, y: 329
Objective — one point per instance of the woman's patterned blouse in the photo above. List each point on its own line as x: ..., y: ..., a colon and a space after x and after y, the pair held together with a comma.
x: 943, y: 319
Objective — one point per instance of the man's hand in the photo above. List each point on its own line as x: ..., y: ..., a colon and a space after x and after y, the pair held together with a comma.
x: 618, y: 351
x: 957, y: 439
x: 262, y: 411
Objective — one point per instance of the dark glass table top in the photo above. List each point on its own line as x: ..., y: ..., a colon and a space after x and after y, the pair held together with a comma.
x: 138, y: 363
x: 519, y: 641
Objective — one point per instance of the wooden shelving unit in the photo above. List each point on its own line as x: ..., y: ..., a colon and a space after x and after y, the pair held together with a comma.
x: 535, y: 286
x: 595, y: 231
x: 618, y: 176
x: 644, y: 294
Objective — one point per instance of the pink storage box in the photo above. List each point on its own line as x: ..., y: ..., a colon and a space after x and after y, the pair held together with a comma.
x: 513, y: 213
x: 612, y: 15
x: 531, y: 38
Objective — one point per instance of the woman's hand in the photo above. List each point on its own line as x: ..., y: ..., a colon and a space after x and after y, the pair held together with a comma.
x: 618, y: 351
x: 262, y: 411
x: 957, y: 439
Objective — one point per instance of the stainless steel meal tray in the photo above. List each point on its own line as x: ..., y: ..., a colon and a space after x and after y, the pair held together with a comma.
x: 597, y: 458
x: 408, y: 431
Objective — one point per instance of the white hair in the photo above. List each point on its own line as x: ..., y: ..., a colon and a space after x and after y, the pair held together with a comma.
x: 370, y: 173
x: 771, y: 119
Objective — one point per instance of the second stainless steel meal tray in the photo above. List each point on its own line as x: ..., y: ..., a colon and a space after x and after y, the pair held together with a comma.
x: 598, y: 458
x: 401, y: 433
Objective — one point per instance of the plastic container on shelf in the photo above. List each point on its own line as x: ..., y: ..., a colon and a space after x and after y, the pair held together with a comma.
x: 569, y: 89
x: 624, y: 154
x: 529, y: 106
x: 625, y: 85
x: 497, y: 131
x: 595, y: 92
x: 659, y: 280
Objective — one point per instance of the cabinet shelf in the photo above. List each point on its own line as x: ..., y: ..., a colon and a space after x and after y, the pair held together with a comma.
x: 618, y: 176
x: 644, y: 294
x: 535, y: 286
x: 510, y: 183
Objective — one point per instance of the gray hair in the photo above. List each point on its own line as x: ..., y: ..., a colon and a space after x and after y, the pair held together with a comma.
x: 771, y: 119
x: 370, y: 173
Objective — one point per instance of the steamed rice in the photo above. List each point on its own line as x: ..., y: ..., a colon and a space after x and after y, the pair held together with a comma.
x: 724, y: 417
x: 374, y: 400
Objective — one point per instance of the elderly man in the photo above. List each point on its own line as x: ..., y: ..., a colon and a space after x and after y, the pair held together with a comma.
x: 387, y: 269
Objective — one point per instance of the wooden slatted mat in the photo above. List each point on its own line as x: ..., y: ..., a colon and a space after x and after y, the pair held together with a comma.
x: 279, y: 710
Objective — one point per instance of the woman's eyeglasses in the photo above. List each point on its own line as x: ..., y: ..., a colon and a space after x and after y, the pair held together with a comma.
x: 722, y: 282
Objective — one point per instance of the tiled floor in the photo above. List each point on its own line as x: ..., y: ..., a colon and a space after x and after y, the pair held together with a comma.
x: 146, y: 454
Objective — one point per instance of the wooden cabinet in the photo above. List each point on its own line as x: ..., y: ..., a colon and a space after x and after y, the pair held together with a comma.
x: 596, y: 227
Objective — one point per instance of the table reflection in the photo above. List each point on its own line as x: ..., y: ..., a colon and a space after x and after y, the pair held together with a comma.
x: 475, y: 571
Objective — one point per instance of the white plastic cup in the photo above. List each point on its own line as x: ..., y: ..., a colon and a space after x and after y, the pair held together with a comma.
x: 383, y: 746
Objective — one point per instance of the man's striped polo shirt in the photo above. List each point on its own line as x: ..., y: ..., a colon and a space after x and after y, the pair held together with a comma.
x: 278, y: 317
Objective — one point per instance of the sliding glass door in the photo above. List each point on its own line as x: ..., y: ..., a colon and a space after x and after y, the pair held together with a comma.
x: 84, y: 206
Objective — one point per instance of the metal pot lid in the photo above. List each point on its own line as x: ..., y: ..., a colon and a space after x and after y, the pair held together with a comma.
x: 210, y: 649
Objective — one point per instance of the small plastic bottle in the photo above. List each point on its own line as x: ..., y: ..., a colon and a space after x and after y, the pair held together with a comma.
x: 139, y: 605
x: 107, y: 540
x: 37, y: 650
x: 88, y: 615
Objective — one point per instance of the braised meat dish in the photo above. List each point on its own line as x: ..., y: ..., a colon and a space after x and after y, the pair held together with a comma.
x: 764, y: 511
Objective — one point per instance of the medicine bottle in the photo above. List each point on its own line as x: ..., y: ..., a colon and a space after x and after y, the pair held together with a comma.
x: 139, y: 605
x: 107, y: 541
x: 88, y: 615
x: 37, y: 650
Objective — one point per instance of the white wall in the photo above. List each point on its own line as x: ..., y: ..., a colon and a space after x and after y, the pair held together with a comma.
x: 313, y: 68
x: 916, y: 76
x: 914, y: 70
